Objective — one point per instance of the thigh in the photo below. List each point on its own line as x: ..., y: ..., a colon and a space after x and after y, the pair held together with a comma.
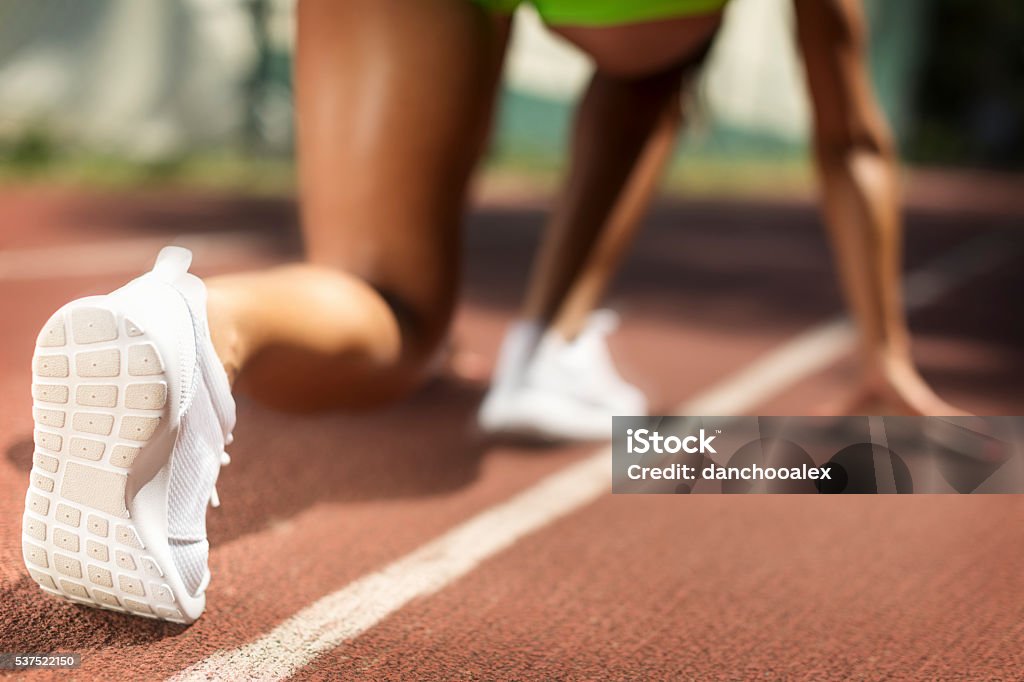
x: 393, y: 98
x: 833, y: 39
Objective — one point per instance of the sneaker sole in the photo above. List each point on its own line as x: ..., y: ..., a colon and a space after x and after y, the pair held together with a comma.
x: 101, y: 407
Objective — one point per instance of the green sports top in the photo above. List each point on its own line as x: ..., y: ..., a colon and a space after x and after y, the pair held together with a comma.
x: 608, y: 12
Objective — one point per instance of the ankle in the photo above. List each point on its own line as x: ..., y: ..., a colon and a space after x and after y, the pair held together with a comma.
x: 225, y: 333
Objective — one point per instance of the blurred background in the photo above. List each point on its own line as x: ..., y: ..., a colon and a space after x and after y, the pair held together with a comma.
x: 131, y: 123
x: 199, y: 92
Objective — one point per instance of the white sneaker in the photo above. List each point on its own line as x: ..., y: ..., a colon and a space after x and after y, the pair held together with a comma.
x: 132, y: 411
x: 566, y: 390
x: 509, y: 372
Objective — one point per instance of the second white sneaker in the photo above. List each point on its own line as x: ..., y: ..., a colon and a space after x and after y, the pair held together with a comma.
x: 559, y: 389
x: 132, y: 411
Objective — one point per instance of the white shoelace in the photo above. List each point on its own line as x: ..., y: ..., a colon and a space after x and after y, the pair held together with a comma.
x: 225, y: 459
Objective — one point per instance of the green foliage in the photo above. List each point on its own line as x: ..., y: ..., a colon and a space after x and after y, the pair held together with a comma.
x: 30, y: 152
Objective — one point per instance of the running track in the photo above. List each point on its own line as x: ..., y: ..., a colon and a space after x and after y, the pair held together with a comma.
x: 410, y: 547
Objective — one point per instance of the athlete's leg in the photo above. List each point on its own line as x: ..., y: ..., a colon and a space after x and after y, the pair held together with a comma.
x: 393, y: 100
x: 858, y: 167
x: 620, y: 228
x: 554, y: 376
x: 625, y: 131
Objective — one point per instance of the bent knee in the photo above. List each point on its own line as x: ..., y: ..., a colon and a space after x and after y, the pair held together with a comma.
x: 339, y: 341
x: 297, y: 379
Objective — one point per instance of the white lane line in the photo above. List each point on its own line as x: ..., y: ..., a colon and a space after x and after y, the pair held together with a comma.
x: 362, y: 604
x: 803, y: 355
x: 354, y: 609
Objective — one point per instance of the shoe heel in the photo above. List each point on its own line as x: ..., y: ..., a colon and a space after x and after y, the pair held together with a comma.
x: 100, y: 394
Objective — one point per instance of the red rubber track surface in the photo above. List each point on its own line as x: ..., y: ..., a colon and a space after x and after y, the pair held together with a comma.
x: 626, y: 587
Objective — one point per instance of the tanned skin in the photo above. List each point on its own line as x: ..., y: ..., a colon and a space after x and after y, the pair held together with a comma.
x: 394, y: 101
